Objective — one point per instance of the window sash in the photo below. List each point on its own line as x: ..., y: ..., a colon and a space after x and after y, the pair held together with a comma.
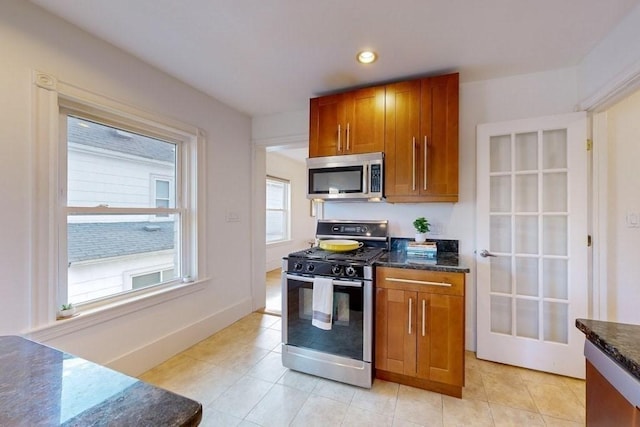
x: 283, y: 231
x: 179, y: 210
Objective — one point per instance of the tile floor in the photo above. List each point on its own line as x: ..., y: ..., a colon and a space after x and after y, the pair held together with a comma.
x: 237, y: 376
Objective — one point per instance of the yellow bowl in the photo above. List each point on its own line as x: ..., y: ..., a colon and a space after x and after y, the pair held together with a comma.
x: 338, y: 245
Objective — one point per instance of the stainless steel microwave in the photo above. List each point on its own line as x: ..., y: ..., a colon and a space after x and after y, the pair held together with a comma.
x: 349, y: 177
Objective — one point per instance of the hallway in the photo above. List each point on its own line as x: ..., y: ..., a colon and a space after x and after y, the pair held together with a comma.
x: 274, y: 296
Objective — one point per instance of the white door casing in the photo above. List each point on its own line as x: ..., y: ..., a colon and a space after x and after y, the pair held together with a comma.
x: 532, y: 214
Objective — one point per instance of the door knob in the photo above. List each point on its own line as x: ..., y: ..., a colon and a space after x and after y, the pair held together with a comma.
x: 485, y: 253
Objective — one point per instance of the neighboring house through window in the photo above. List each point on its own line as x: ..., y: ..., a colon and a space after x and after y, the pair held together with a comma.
x: 108, y: 205
x: 278, y: 210
x: 119, y: 195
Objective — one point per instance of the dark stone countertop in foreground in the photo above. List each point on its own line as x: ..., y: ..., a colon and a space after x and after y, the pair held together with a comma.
x: 42, y: 386
x: 619, y: 341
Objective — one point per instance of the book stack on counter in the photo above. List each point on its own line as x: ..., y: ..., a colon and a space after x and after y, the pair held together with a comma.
x: 423, y: 251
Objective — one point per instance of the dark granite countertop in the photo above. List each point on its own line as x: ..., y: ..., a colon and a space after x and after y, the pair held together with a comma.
x: 447, y: 259
x: 447, y: 262
x: 42, y: 386
x: 619, y: 341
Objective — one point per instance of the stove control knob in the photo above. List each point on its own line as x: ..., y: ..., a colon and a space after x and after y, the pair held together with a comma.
x: 310, y: 268
x: 350, y: 271
x: 297, y: 266
x: 336, y: 270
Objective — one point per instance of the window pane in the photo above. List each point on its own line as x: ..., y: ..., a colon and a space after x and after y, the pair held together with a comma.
x: 109, y: 166
x: 275, y: 226
x: 277, y: 210
x: 276, y: 196
x: 162, y: 189
x: 145, y: 280
x: 105, y: 252
x: 162, y: 203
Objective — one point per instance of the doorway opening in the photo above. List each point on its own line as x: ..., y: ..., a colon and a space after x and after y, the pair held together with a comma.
x: 273, y: 303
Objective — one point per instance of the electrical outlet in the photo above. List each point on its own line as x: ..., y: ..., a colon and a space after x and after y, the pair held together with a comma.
x: 633, y: 220
x: 232, y: 216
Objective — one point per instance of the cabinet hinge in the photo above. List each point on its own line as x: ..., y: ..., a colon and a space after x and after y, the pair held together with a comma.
x: 589, y: 145
x: 589, y: 242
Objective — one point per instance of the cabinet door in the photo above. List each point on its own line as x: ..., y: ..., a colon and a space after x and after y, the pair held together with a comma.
x: 421, y: 140
x: 395, y: 342
x: 440, y: 330
x: 326, y: 115
x: 364, y: 128
x: 438, y: 145
x: 402, y: 129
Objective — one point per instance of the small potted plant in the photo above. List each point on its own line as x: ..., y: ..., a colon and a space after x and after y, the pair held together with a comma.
x: 422, y: 227
x: 66, y: 310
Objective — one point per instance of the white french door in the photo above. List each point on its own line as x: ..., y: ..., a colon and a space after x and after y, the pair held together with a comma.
x: 531, y: 232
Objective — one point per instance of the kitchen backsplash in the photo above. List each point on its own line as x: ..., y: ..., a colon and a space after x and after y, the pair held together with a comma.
x: 398, y: 244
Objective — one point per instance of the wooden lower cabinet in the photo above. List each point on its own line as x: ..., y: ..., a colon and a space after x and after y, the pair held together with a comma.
x: 419, y: 338
x: 605, y: 405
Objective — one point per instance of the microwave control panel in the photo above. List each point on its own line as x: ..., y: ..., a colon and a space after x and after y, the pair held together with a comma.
x: 376, y: 181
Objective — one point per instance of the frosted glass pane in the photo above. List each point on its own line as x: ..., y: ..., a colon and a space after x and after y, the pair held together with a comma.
x: 556, y: 322
x: 527, y: 193
x: 500, y: 195
x: 554, y: 192
x: 554, y: 235
x: 500, y: 153
x: 500, y: 314
x: 555, y: 278
x: 554, y: 149
x: 527, y: 318
x: 527, y: 276
x: 526, y: 234
x: 500, y: 240
x: 527, y: 151
x: 501, y: 274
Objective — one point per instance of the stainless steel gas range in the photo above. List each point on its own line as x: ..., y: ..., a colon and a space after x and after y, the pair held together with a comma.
x: 342, y: 349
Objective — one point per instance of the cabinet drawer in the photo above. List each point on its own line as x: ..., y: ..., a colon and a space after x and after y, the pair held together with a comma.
x: 436, y: 282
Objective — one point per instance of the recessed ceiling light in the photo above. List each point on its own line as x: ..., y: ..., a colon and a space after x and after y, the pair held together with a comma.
x: 366, y: 57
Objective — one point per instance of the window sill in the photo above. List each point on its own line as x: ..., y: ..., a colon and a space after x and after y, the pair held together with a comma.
x: 95, y: 316
x: 279, y: 243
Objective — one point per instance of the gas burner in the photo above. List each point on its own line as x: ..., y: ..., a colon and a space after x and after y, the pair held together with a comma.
x: 362, y: 255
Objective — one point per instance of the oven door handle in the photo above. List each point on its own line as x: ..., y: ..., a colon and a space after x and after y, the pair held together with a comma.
x: 348, y: 283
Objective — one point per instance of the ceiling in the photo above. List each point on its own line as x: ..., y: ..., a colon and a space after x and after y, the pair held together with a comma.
x: 264, y: 57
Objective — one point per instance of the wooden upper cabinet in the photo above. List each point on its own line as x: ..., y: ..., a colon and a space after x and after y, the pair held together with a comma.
x: 421, y: 140
x: 347, y: 123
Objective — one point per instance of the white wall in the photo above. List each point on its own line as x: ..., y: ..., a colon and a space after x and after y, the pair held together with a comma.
x: 303, y: 225
x: 609, y: 60
x: 623, y: 197
x: 30, y: 38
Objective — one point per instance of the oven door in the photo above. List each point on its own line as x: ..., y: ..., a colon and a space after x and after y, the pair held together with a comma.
x: 350, y: 334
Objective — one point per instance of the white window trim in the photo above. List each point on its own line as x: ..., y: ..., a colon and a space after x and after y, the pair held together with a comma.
x: 49, y: 96
x: 287, y: 210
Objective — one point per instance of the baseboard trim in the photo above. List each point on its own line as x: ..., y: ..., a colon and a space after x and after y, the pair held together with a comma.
x: 144, y: 358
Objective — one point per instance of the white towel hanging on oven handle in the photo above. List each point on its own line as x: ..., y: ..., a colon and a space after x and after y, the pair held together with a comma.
x: 322, y: 304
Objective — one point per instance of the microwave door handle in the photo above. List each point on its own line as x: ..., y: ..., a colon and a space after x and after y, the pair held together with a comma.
x: 365, y: 179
